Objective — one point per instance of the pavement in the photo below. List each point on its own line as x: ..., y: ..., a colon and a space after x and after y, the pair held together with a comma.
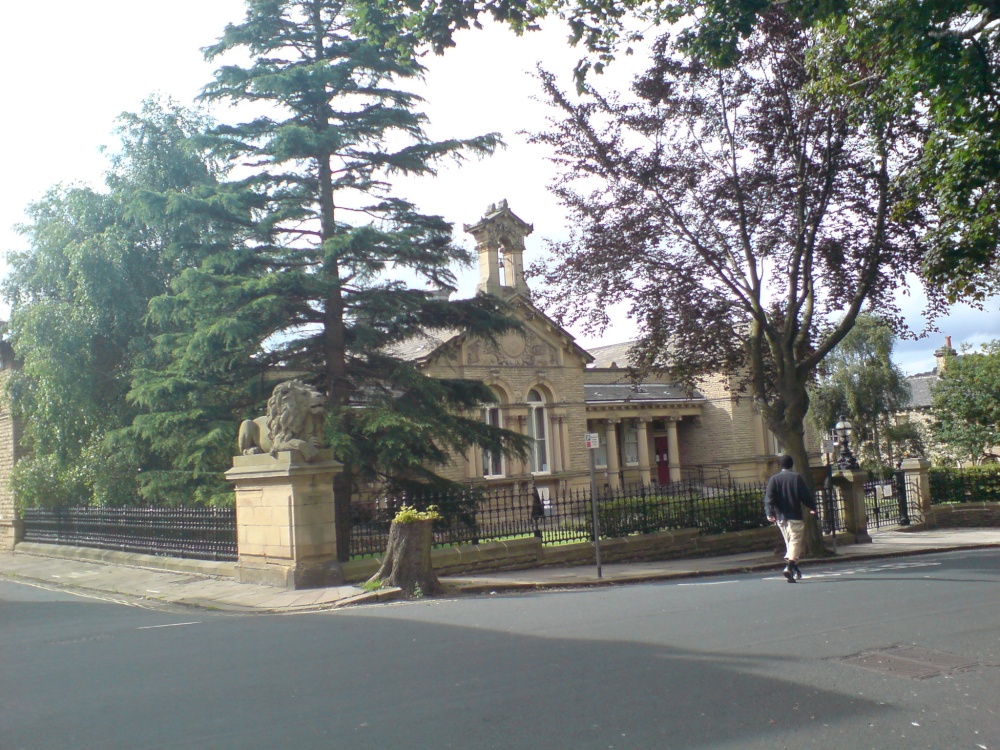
x: 133, y: 584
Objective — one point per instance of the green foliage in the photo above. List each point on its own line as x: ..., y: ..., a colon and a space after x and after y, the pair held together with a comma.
x: 78, y: 330
x: 906, y: 439
x: 966, y: 399
x: 714, y: 511
x: 409, y: 514
x: 973, y: 484
x: 326, y: 280
x: 860, y: 382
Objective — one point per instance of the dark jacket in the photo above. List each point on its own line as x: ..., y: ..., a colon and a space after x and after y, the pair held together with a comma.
x: 785, y: 495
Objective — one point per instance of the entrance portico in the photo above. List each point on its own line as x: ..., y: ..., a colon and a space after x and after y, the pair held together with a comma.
x: 640, y: 427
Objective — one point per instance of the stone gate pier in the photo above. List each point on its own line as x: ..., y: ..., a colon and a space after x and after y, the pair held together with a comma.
x: 285, y: 519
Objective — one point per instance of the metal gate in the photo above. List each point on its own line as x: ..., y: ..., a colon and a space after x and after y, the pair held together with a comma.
x: 831, y: 516
x: 890, y: 502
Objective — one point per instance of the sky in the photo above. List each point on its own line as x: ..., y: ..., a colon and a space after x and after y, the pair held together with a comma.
x: 72, y: 67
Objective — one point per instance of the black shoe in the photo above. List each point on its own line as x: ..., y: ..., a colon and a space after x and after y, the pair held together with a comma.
x: 798, y: 571
x: 788, y: 574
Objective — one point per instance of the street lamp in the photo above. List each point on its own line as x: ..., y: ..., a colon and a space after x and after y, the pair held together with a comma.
x: 843, y: 428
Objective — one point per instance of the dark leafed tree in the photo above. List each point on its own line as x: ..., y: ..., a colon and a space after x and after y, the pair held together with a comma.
x: 860, y: 382
x: 941, y: 56
x: 335, y: 270
x: 745, y: 214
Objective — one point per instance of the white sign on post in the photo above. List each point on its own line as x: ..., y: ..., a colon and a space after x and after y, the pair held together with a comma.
x: 594, y: 441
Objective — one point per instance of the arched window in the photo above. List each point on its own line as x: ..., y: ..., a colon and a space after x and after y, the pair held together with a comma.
x: 537, y: 431
x: 493, y: 461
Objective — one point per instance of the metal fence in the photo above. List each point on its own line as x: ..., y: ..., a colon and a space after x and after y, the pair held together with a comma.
x: 830, y: 509
x: 201, y: 533
x: 481, y: 516
x: 891, y: 502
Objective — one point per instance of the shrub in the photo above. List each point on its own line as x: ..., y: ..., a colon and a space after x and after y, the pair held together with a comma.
x: 966, y: 485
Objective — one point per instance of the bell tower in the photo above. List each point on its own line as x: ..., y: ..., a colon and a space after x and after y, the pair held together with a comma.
x: 500, y: 243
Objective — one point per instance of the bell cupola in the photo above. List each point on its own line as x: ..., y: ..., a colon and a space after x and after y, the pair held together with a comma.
x: 500, y: 243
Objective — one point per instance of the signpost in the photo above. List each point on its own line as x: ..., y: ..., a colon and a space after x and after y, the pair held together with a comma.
x: 593, y: 442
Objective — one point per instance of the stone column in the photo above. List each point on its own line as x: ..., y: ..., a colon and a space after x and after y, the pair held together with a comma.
x: 614, y: 468
x: 566, y: 446
x: 285, y: 520
x: 851, y: 483
x: 522, y: 466
x: 556, y: 443
x: 916, y: 474
x: 643, y: 437
x: 673, y: 449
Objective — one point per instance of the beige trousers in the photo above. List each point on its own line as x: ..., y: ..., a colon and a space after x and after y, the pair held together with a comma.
x: 792, y: 531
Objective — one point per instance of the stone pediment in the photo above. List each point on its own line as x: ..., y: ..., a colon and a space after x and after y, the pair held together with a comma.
x: 538, y: 346
x: 513, y: 350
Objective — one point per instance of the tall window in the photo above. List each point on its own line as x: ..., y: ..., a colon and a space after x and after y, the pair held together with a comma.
x: 601, y: 452
x: 537, y: 421
x: 493, y: 463
x: 630, y: 445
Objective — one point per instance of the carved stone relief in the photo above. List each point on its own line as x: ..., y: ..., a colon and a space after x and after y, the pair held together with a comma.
x: 514, y: 351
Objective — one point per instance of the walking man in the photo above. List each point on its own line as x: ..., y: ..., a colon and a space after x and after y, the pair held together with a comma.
x: 784, y: 497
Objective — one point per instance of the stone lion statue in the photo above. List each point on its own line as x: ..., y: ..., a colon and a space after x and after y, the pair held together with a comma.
x: 294, y: 421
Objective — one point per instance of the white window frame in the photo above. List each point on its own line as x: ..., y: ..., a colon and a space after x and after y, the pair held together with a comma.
x: 630, y: 437
x: 538, y: 416
x: 601, y: 452
x: 492, y: 415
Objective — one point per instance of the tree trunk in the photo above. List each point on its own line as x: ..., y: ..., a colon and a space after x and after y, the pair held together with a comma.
x: 407, y: 561
x: 796, y: 448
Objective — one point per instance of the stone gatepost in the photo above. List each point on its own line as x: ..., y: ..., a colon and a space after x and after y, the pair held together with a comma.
x: 285, y: 520
x: 851, y: 483
x: 916, y: 474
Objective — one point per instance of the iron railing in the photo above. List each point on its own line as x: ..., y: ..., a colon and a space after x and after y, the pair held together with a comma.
x: 200, y: 533
x: 479, y: 516
x: 891, y: 502
x: 829, y: 509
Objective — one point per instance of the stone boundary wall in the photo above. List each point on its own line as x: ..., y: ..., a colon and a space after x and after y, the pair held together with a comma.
x: 10, y: 526
x: 516, y: 554
x: 131, y: 559
x: 524, y: 554
x: 964, y: 515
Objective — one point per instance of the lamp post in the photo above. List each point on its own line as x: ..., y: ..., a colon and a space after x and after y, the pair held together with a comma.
x: 847, y: 460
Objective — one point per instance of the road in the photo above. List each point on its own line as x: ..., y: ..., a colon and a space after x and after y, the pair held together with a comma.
x: 736, y: 662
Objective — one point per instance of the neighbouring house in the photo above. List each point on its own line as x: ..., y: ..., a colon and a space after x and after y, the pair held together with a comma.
x: 555, y: 392
x: 920, y: 408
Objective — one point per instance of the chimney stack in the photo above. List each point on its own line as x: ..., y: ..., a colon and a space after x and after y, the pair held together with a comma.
x: 943, y: 354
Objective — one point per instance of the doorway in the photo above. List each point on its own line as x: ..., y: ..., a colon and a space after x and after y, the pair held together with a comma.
x: 662, y: 459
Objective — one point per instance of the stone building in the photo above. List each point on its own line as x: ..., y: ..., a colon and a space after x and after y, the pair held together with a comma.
x: 553, y: 391
x: 919, y: 409
x: 550, y: 389
x: 9, y: 442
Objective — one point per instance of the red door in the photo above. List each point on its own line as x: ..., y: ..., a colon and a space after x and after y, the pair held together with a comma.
x: 662, y: 460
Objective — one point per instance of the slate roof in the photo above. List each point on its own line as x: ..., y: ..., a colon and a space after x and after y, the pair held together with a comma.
x: 612, y: 354
x: 418, y: 347
x: 920, y: 389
